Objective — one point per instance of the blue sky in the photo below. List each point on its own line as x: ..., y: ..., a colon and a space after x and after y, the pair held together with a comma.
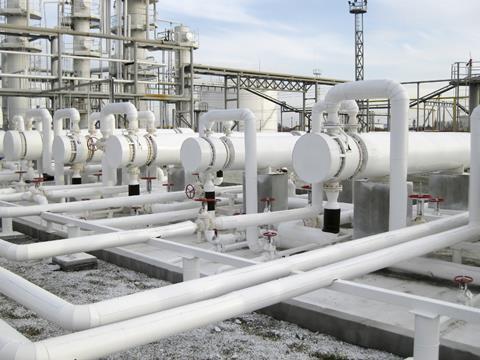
x: 405, y: 39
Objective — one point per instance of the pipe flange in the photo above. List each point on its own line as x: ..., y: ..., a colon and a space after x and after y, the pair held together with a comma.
x: 343, y: 151
x: 23, y: 141
x: 152, y: 149
x: 363, y: 154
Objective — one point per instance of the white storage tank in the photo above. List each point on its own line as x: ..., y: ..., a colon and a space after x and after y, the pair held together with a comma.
x: 266, y: 112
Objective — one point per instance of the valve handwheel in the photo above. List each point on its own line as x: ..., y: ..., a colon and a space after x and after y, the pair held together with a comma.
x: 190, y: 191
x: 307, y: 187
x: 92, y: 143
x: 205, y: 200
x: 462, y: 280
x: 269, y: 234
x: 420, y: 196
x: 267, y: 199
x: 20, y: 174
x: 168, y: 185
x: 37, y: 181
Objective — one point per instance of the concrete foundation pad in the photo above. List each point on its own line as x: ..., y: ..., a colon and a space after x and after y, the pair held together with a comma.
x: 76, y: 262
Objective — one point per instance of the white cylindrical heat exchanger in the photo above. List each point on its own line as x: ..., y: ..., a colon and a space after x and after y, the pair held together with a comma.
x: 23, y: 145
x: 75, y: 148
x: 319, y: 157
x: 161, y: 148
x: 228, y: 153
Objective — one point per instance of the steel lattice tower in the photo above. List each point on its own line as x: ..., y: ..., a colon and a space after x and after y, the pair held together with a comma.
x: 358, y: 8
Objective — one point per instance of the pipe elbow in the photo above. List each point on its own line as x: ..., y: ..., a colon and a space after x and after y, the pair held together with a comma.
x: 247, y: 115
x: 24, y: 351
x: 396, y: 91
x: 78, y: 317
x: 15, y: 252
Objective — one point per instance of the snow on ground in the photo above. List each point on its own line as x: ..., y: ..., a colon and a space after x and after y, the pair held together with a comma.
x: 250, y: 336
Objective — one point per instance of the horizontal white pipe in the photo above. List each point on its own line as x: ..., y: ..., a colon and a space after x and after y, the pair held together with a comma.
x: 149, y: 301
x: 8, y: 190
x: 275, y: 217
x: 295, y: 233
x: 41, y: 250
x: 88, y: 191
x: 121, y: 201
x: 148, y: 219
x: 104, y: 340
x: 434, y: 268
x: 161, y: 208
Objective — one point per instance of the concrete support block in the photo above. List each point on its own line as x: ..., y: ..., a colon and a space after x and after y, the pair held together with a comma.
x: 371, y: 207
x: 452, y: 188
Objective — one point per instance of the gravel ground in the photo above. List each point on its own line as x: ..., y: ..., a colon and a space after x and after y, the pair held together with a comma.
x: 251, y: 336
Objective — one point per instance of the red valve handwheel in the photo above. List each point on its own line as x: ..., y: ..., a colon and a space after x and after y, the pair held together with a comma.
x: 462, y: 279
x: 190, y: 191
x: 92, y: 143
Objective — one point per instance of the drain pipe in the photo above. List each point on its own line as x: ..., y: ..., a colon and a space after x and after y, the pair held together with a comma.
x: 205, y: 125
x: 398, y: 97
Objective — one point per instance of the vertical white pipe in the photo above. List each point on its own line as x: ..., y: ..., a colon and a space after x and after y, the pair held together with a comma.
x: 399, y: 100
x: 46, y: 121
x: 245, y: 115
x: 474, y: 192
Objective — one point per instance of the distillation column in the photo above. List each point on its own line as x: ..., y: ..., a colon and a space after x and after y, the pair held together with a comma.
x: 19, y: 13
x: 138, y: 24
x: 83, y: 19
x: 183, y: 108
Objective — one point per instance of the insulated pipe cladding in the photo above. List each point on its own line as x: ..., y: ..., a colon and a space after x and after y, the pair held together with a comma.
x: 107, y: 127
x: 160, y: 148
x: 191, y: 160
x: 349, y: 161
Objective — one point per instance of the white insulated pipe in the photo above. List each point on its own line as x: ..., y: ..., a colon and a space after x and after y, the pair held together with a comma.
x: 474, y: 192
x: 62, y: 114
x: 107, y: 127
x: 367, y: 89
x: 121, y: 201
x: 107, y: 339
x: 97, y: 204
x: 23, y: 252
x: 47, y: 135
x: 399, y: 102
x: 256, y: 219
x: 148, y: 219
x: 206, y: 123
x: 146, y: 119
x: 349, y: 107
x: 154, y: 300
